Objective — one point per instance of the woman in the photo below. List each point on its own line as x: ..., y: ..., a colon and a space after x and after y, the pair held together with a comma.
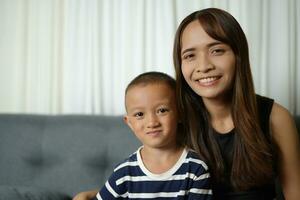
x: 246, y: 139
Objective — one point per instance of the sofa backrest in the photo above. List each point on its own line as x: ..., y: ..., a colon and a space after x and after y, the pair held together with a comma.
x: 68, y: 153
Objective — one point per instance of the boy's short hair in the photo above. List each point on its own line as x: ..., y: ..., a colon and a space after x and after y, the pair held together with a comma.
x: 152, y: 77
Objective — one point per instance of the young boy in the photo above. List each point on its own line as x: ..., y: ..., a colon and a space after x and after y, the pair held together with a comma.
x: 163, y: 167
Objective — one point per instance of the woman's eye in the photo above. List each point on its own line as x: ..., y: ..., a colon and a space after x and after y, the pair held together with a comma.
x: 217, y: 51
x: 188, y: 56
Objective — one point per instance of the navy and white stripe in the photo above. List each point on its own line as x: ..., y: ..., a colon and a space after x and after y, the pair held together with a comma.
x: 187, y: 179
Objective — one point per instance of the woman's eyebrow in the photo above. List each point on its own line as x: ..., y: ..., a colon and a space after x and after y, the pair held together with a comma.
x: 187, y: 50
x: 214, y: 44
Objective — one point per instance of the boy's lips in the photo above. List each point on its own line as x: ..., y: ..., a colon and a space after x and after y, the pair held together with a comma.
x: 154, y: 132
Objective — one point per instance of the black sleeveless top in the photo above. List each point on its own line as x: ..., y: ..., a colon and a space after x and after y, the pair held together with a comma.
x: 224, y: 190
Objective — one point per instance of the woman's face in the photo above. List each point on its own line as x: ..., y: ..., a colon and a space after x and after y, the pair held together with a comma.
x: 208, y: 65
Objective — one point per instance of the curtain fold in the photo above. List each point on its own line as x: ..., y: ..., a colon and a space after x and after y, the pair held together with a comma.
x: 77, y: 56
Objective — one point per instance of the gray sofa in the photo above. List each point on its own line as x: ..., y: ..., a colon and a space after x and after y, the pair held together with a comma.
x: 54, y: 157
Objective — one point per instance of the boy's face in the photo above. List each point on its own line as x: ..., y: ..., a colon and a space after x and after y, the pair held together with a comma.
x: 152, y: 114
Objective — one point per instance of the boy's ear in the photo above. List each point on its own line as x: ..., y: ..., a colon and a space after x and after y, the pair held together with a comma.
x: 126, y: 120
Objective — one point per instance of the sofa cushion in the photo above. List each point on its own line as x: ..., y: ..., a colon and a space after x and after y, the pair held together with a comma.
x: 30, y: 193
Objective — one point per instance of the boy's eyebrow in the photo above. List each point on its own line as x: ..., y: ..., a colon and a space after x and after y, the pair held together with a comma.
x: 134, y: 108
x: 208, y: 45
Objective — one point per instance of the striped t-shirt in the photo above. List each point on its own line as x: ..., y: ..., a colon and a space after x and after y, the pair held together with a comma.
x: 187, y: 179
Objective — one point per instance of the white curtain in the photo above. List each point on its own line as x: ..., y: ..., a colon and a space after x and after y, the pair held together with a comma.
x: 77, y: 56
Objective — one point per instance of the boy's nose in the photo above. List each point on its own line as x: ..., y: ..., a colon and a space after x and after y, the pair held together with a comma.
x: 152, y: 121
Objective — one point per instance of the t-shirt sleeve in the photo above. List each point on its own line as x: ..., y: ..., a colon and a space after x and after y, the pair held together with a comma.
x: 111, y: 190
x: 201, y: 187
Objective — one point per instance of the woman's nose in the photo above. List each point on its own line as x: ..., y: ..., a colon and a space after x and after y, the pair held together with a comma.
x: 203, y: 63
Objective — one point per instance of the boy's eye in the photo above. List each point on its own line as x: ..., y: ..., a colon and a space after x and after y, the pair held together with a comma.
x: 162, y: 110
x: 139, y: 114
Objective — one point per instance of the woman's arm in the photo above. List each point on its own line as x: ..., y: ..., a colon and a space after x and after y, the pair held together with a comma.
x: 86, y: 195
x: 284, y: 132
